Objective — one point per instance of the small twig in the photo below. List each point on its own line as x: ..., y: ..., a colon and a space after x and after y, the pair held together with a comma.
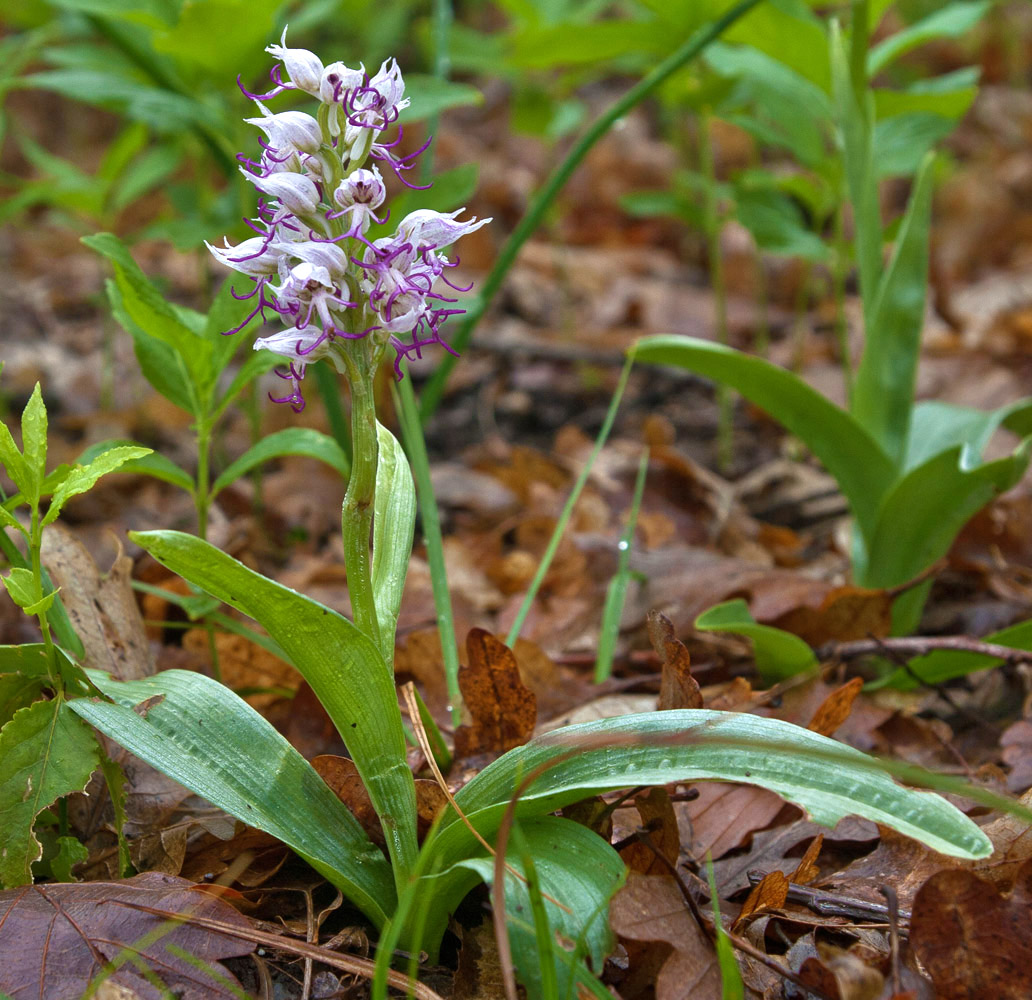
x: 830, y: 904
x: 893, y: 906
x: 921, y: 645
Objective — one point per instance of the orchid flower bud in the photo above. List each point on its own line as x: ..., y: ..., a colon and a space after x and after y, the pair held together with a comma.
x: 324, y: 256
x: 304, y: 68
x: 427, y: 229
x: 295, y: 192
x: 360, y: 194
x: 336, y: 79
x: 290, y: 130
x: 254, y: 257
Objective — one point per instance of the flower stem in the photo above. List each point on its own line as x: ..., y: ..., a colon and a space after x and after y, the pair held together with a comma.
x: 357, y: 516
x: 202, y: 491
x: 35, y: 549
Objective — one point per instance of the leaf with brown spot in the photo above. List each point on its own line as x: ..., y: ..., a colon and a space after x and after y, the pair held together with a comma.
x: 835, y: 709
x: 768, y: 894
x: 667, y: 949
x: 658, y: 818
x: 56, y: 938
x: 677, y: 687
x: 807, y: 870
x: 974, y: 943
x: 503, y: 708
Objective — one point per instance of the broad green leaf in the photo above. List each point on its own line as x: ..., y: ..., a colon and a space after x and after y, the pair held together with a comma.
x: 163, y: 367
x: 826, y: 778
x: 34, y: 444
x: 779, y: 654
x: 777, y: 225
x: 901, y: 142
x: 150, y: 12
x: 149, y: 311
x: 17, y: 691
x: 862, y: 470
x: 28, y: 658
x: 883, y: 393
x: 302, y: 441
x: 951, y: 21
x: 431, y: 95
x: 196, y: 731
x: 945, y: 664
x: 937, y: 426
x: 154, y: 464
x: 580, y: 870
x: 219, y: 33
x: 83, y: 477
x: 21, y: 585
x: 924, y: 511
x: 45, y: 752
x: 394, y: 522
x: 949, y: 95
x: 343, y: 667
x: 789, y: 32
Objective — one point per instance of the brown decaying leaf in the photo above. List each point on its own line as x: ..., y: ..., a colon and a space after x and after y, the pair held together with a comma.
x: 974, y: 943
x: 806, y: 871
x: 502, y: 707
x: 341, y: 774
x: 723, y: 816
x: 677, y: 687
x: 834, y: 710
x: 56, y: 938
x: 768, y: 894
x: 843, y: 614
x: 839, y: 973
x: 102, y: 608
x: 657, y: 817
x: 667, y: 948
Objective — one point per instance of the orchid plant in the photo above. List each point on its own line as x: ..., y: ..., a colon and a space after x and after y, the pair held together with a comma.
x: 346, y: 298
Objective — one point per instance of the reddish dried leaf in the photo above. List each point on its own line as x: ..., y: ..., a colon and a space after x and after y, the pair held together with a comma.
x: 503, y: 708
x: 974, y: 943
x: 835, y: 709
x: 341, y: 774
x: 843, y: 614
x: 657, y: 817
x: 56, y: 938
x: 650, y: 915
x: 723, y: 816
x: 768, y: 894
x: 807, y: 870
x: 677, y: 687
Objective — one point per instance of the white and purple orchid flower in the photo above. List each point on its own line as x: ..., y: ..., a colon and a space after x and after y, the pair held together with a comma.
x: 310, y: 259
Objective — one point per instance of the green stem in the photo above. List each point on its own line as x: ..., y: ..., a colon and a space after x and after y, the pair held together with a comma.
x: 567, y: 512
x: 35, y: 554
x: 357, y: 516
x: 202, y: 490
x: 415, y: 445
x: 713, y: 226
x: 839, y: 291
x: 434, y: 390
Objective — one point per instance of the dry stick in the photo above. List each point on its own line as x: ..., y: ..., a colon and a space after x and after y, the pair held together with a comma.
x: 893, y: 902
x: 346, y: 963
x: 921, y: 645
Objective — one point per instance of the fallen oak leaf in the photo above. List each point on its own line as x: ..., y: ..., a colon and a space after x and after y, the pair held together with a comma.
x: 807, y: 870
x: 56, y: 939
x: 770, y: 893
x: 835, y: 709
x: 503, y: 708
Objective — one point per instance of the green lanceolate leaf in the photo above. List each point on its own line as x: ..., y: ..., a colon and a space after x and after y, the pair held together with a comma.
x: 82, y: 478
x: 779, y: 654
x: 827, y: 779
x: 293, y: 441
x: 925, y: 510
x: 343, y: 666
x: 578, y: 869
x: 155, y: 465
x: 883, y: 393
x: 950, y: 21
x: 12, y: 458
x: 20, y: 584
x: 936, y: 427
x: 45, y: 752
x: 196, y: 731
x: 34, y: 445
x: 393, y: 525
x: 8, y: 520
x: 861, y: 468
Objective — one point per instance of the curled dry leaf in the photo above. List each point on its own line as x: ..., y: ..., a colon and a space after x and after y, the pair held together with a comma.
x: 806, y: 871
x: 677, y: 687
x: 56, y: 939
x: 503, y: 708
x: 956, y: 914
x: 768, y: 894
x: 835, y: 709
x: 667, y: 948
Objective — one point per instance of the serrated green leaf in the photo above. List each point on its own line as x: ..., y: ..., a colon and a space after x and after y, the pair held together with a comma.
x: 779, y: 654
x: 196, y: 731
x: 154, y: 464
x: 343, y: 666
x: 82, y: 478
x: 302, y: 441
x: 34, y: 444
x: 70, y: 852
x: 46, y: 751
x: 8, y: 520
x: 21, y: 585
x: 28, y: 658
x: 17, y: 691
x: 393, y: 526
